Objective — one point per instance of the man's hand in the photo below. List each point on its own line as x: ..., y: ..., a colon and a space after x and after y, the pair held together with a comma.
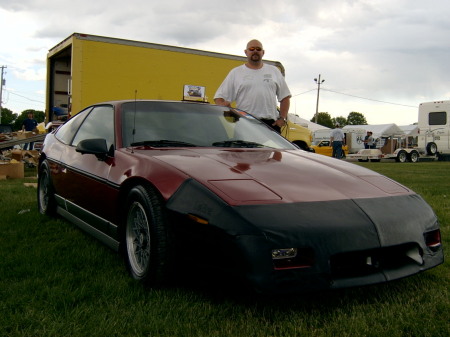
x: 280, y: 122
x: 221, y: 101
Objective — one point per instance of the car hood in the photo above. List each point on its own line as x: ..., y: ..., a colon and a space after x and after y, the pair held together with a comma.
x: 242, y: 176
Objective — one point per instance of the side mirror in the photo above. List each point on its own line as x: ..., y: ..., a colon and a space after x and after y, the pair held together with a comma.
x: 97, y: 147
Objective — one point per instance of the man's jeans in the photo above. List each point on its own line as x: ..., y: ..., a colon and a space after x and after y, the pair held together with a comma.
x: 337, y: 149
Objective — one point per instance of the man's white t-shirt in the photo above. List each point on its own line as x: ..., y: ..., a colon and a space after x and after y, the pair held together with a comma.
x: 255, y: 90
x: 337, y: 135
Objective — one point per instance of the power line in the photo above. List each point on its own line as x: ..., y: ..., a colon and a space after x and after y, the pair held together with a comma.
x: 304, y: 92
x: 369, y: 99
x: 30, y: 99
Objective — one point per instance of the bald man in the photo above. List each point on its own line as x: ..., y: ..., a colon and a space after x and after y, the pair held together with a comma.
x: 256, y: 87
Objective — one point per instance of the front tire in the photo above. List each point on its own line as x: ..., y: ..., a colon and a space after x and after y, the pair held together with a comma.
x: 45, y: 191
x: 146, y: 237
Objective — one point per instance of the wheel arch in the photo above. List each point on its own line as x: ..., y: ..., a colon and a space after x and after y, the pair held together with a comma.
x: 301, y: 144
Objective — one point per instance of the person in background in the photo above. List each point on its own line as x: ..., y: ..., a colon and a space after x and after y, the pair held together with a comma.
x: 256, y: 87
x: 337, y: 140
x: 366, y: 146
x: 370, y: 141
x: 29, y: 124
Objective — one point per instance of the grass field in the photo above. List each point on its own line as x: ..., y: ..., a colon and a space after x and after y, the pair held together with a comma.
x: 57, y: 281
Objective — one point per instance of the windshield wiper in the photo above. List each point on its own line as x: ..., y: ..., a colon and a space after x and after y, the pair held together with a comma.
x: 163, y: 143
x: 237, y: 143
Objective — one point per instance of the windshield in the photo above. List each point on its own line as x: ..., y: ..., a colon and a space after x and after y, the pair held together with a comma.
x: 183, y: 124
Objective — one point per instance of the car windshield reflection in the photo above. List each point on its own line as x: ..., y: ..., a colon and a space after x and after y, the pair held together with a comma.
x: 166, y: 124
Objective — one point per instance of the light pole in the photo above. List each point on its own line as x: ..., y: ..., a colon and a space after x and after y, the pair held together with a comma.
x: 319, y: 82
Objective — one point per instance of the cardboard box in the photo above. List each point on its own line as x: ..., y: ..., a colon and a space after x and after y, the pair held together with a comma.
x: 16, y: 154
x: 12, y: 170
x: 30, y: 157
x: 23, y: 134
x: 19, y: 154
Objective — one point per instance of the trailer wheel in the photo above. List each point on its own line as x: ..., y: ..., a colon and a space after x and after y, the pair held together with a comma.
x: 402, y: 156
x: 431, y: 148
x: 414, y: 156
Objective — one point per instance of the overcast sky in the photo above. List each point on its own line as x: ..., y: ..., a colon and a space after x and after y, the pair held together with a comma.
x: 378, y: 57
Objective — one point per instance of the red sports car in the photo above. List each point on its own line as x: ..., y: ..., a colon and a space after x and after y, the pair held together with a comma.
x: 182, y: 183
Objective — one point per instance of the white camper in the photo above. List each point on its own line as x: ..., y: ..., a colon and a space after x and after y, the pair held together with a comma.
x: 354, y: 138
x: 434, y: 126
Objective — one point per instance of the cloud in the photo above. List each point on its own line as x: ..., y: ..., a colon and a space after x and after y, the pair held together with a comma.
x: 393, y: 51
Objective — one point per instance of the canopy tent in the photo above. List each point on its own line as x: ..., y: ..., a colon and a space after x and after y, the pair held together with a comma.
x: 379, y: 130
x: 411, y: 135
x: 411, y: 130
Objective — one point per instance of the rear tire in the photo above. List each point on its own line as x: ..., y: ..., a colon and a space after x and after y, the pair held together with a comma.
x: 146, y: 237
x: 431, y: 148
x: 45, y: 191
x: 414, y: 157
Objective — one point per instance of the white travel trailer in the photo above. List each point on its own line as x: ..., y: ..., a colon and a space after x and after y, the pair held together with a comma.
x: 390, y: 141
x: 434, y: 126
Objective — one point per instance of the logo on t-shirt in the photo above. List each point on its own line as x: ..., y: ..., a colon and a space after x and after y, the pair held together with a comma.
x: 267, y: 77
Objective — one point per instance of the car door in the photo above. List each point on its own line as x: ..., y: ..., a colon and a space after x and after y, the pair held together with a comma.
x: 86, y: 189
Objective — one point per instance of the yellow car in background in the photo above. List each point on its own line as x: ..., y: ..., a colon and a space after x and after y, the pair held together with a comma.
x: 323, y: 147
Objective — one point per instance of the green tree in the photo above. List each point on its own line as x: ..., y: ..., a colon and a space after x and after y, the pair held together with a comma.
x: 356, y: 118
x: 342, y: 121
x: 324, y: 119
x: 8, y: 117
x: 39, y: 116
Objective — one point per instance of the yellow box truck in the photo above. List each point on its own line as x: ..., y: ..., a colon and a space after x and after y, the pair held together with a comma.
x: 85, y: 69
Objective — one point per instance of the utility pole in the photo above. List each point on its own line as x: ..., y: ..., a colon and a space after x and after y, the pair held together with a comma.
x: 2, y: 82
x: 319, y: 82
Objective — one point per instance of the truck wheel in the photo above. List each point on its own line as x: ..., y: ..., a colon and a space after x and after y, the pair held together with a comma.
x: 302, y: 145
x: 414, y: 157
x: 431, y: 148
x: 146, y: 237
x: 402, y: 156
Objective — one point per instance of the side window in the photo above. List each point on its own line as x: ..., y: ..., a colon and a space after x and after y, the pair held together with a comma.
x: 98, y: 124
x: 437, y: 118
x: 66, y: 132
